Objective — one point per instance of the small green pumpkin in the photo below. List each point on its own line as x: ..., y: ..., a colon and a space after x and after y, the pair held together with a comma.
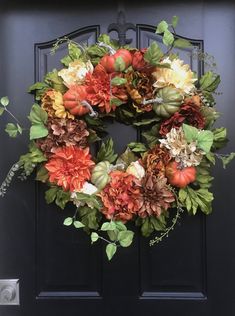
x: 171, y: 101
x: 100, y: 174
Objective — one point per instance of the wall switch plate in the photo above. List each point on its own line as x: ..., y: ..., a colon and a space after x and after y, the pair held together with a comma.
x: 9, y: 292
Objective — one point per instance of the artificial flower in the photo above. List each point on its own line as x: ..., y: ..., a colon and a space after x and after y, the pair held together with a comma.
x: 187, y: 114
x: 69, y: 167
x: 100, y: 91
x: 136, y: 169
x: 179, y: 75
x: 187, y: 154
x: 156, y: 159
x: 121, y: 196
x: 140, y: 88
x: 156, y: 197
x: 52, y: 103
x: 63, y: 132
x: 76, y: 72
x: 138, y: 62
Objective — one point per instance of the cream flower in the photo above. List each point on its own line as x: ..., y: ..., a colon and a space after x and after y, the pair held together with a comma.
x: 76, y: 72
x: 186, y: 154
x: 179, y: 75
x: 136, y: 170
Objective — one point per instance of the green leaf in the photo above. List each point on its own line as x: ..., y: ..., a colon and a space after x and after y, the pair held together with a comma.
x: 62, y: 198
x: 127, y: 157
x: 37, y: 86
x: 106, y: 152
x: 175, y: 20
x: 205, y: 140
x: 74, y: 51
x: 117, y: 81
x: 162, y: 27
x: 111, y: 250
x: 116, y: 101
x: 125, y: 238
x: 4, y: 101
x: 19, y: 128
x: 196, y: 199
x: 119, y: 64
x: 94, y: 237
x: 38, y: 131
x: 211, y: 157
x: 78, y: 224
x: 112, y: 234
x: 11, y: 129
x: 89, y: 217
x: 108, y: 226
x: 158, y: 223
x: 32, y: 158
x: 151, y: 135
x: 38, y: 118
x: 42, y: 175
x: 38, y: 115
x: 68, y: 221
x: 66, y: 60
x: 148, y: 121
x: 137, y: 147
x: 190, y: 133
x: 55, y: 81
x: 120, y: 226
x: 220, y: 137
x: 182, y: 43
x: 92, y: 137
x: 50, y: 195
x: 1, y: 110
x: 168, y: 38
x: 153, y: 54
x: 227, y: 159
x: 90, y: 200
x: 209, y: 81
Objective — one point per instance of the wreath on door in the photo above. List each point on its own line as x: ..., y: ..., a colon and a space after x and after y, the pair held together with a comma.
x: 155, y: 179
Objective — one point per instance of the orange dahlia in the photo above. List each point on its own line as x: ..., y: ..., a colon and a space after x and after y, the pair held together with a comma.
x: 121, y: 196
x: 100, y: 91
x: 70, y: 167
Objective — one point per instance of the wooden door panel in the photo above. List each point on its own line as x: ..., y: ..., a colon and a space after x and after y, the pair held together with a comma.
x: 191, y: 273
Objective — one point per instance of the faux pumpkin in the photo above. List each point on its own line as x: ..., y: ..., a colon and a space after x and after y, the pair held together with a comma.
x: 180, y: 177
x: 118, y: 61
x: 73, y: 98
x: 100, y: 174
x: 171, y: 101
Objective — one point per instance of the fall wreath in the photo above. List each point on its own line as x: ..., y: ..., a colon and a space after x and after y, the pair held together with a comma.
x: 155, y: 179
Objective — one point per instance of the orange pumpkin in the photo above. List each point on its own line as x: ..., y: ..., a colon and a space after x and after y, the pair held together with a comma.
x: 109, y: 62
x: 73, y: 98
x: 180, y: 177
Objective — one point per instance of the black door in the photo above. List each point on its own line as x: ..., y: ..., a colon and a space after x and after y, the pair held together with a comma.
x: 192, y: 273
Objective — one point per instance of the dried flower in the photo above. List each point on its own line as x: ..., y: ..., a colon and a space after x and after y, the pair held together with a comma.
x: 63, y: 132
x: 52, y: 103
x: 179, y: 75
x: 186, y: 154
x: 70, y: 167
x: 187, y: 114
x: 140, y: 87
x: 138, y: 62
x: 121, y: 196
x: 156, y: 159
x: 156, y: 197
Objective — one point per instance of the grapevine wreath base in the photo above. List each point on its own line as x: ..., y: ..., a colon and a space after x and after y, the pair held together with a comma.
x: 155, y: 179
